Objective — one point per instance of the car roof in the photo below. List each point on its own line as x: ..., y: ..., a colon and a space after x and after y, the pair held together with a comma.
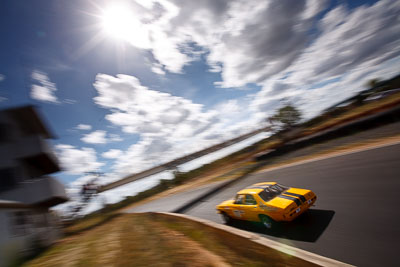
x: 256, y: 188
x: 250, y: 191
x: 266, y: 184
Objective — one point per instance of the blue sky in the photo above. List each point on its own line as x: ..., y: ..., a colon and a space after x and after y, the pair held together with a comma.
x: 126, y: 85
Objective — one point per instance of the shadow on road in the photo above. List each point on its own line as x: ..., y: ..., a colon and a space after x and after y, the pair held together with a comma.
x: 308, y: 227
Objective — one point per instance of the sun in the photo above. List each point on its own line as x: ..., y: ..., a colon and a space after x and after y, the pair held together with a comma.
x: 118, y: 22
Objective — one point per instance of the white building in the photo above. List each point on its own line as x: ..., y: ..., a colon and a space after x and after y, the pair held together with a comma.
x: 26, y: 191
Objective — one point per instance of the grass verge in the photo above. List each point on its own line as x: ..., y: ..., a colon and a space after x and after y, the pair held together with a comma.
x: 148, y: 240
x: 356, y: 113
x: 88, y: 223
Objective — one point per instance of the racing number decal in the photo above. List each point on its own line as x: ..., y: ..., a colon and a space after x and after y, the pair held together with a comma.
x: 238, y: 213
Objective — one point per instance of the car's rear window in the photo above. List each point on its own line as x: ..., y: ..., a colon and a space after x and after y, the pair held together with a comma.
x: 272, y: 191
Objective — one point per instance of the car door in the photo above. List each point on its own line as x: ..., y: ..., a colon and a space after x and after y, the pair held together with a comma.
x: 237, y: 207
x: 250, y: 208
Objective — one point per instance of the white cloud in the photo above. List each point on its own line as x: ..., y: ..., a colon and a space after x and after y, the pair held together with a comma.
x: 166, y: 123
x: 114, y: 138
x: 2, y: 98
x: 96, y: 137
x: 352, y: 47
x: 157, y: 68
x: 149, y: 21
x: 138, y: 109
x: 84, y: 127
x: 350, y: 40
x: 44, y: 89
x: 262, y: 39
x: 77, y: 161
x: 252, y: 41
x: 247, y: 41
x: 112, y: 154
x: 228, y: 107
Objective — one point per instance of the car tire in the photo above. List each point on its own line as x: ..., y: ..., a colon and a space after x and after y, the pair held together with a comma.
x: 267, y: 222
x: 226, y: 218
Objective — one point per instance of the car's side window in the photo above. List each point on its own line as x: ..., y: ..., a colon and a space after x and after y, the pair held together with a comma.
x: 250, y: 200
x: 239, y: 199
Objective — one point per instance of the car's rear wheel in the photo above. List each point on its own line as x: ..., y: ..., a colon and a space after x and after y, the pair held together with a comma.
x: 267, y: 222
x: 226, y: 218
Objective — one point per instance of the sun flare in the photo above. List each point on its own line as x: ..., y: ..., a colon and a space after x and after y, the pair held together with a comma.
x: 118, y: 22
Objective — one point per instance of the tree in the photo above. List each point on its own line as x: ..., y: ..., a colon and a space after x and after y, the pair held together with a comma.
x: 287, y: 116
x: 372, y: 83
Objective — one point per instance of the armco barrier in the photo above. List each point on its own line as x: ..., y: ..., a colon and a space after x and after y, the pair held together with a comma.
x: 255, y: 246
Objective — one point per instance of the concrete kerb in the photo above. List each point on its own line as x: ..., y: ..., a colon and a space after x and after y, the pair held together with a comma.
x: 265, y: 242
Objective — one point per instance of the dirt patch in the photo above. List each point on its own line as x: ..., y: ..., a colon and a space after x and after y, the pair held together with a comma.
x: 198, y: 254
x: 237, y: 250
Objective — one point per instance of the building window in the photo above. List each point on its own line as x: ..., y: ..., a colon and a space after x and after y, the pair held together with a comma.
x: 3, y: 133
x: 7, y: 179
x: 19, y: 223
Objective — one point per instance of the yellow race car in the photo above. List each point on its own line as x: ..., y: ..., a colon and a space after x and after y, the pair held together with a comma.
x: 267, y: 203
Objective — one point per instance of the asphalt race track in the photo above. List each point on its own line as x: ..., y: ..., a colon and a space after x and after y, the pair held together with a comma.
x: 356, y: 218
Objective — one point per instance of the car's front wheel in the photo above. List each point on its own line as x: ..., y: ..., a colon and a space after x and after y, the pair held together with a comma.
x: 267, y: 222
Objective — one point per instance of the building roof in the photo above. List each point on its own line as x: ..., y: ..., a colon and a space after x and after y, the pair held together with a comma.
x: 9, y: 204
